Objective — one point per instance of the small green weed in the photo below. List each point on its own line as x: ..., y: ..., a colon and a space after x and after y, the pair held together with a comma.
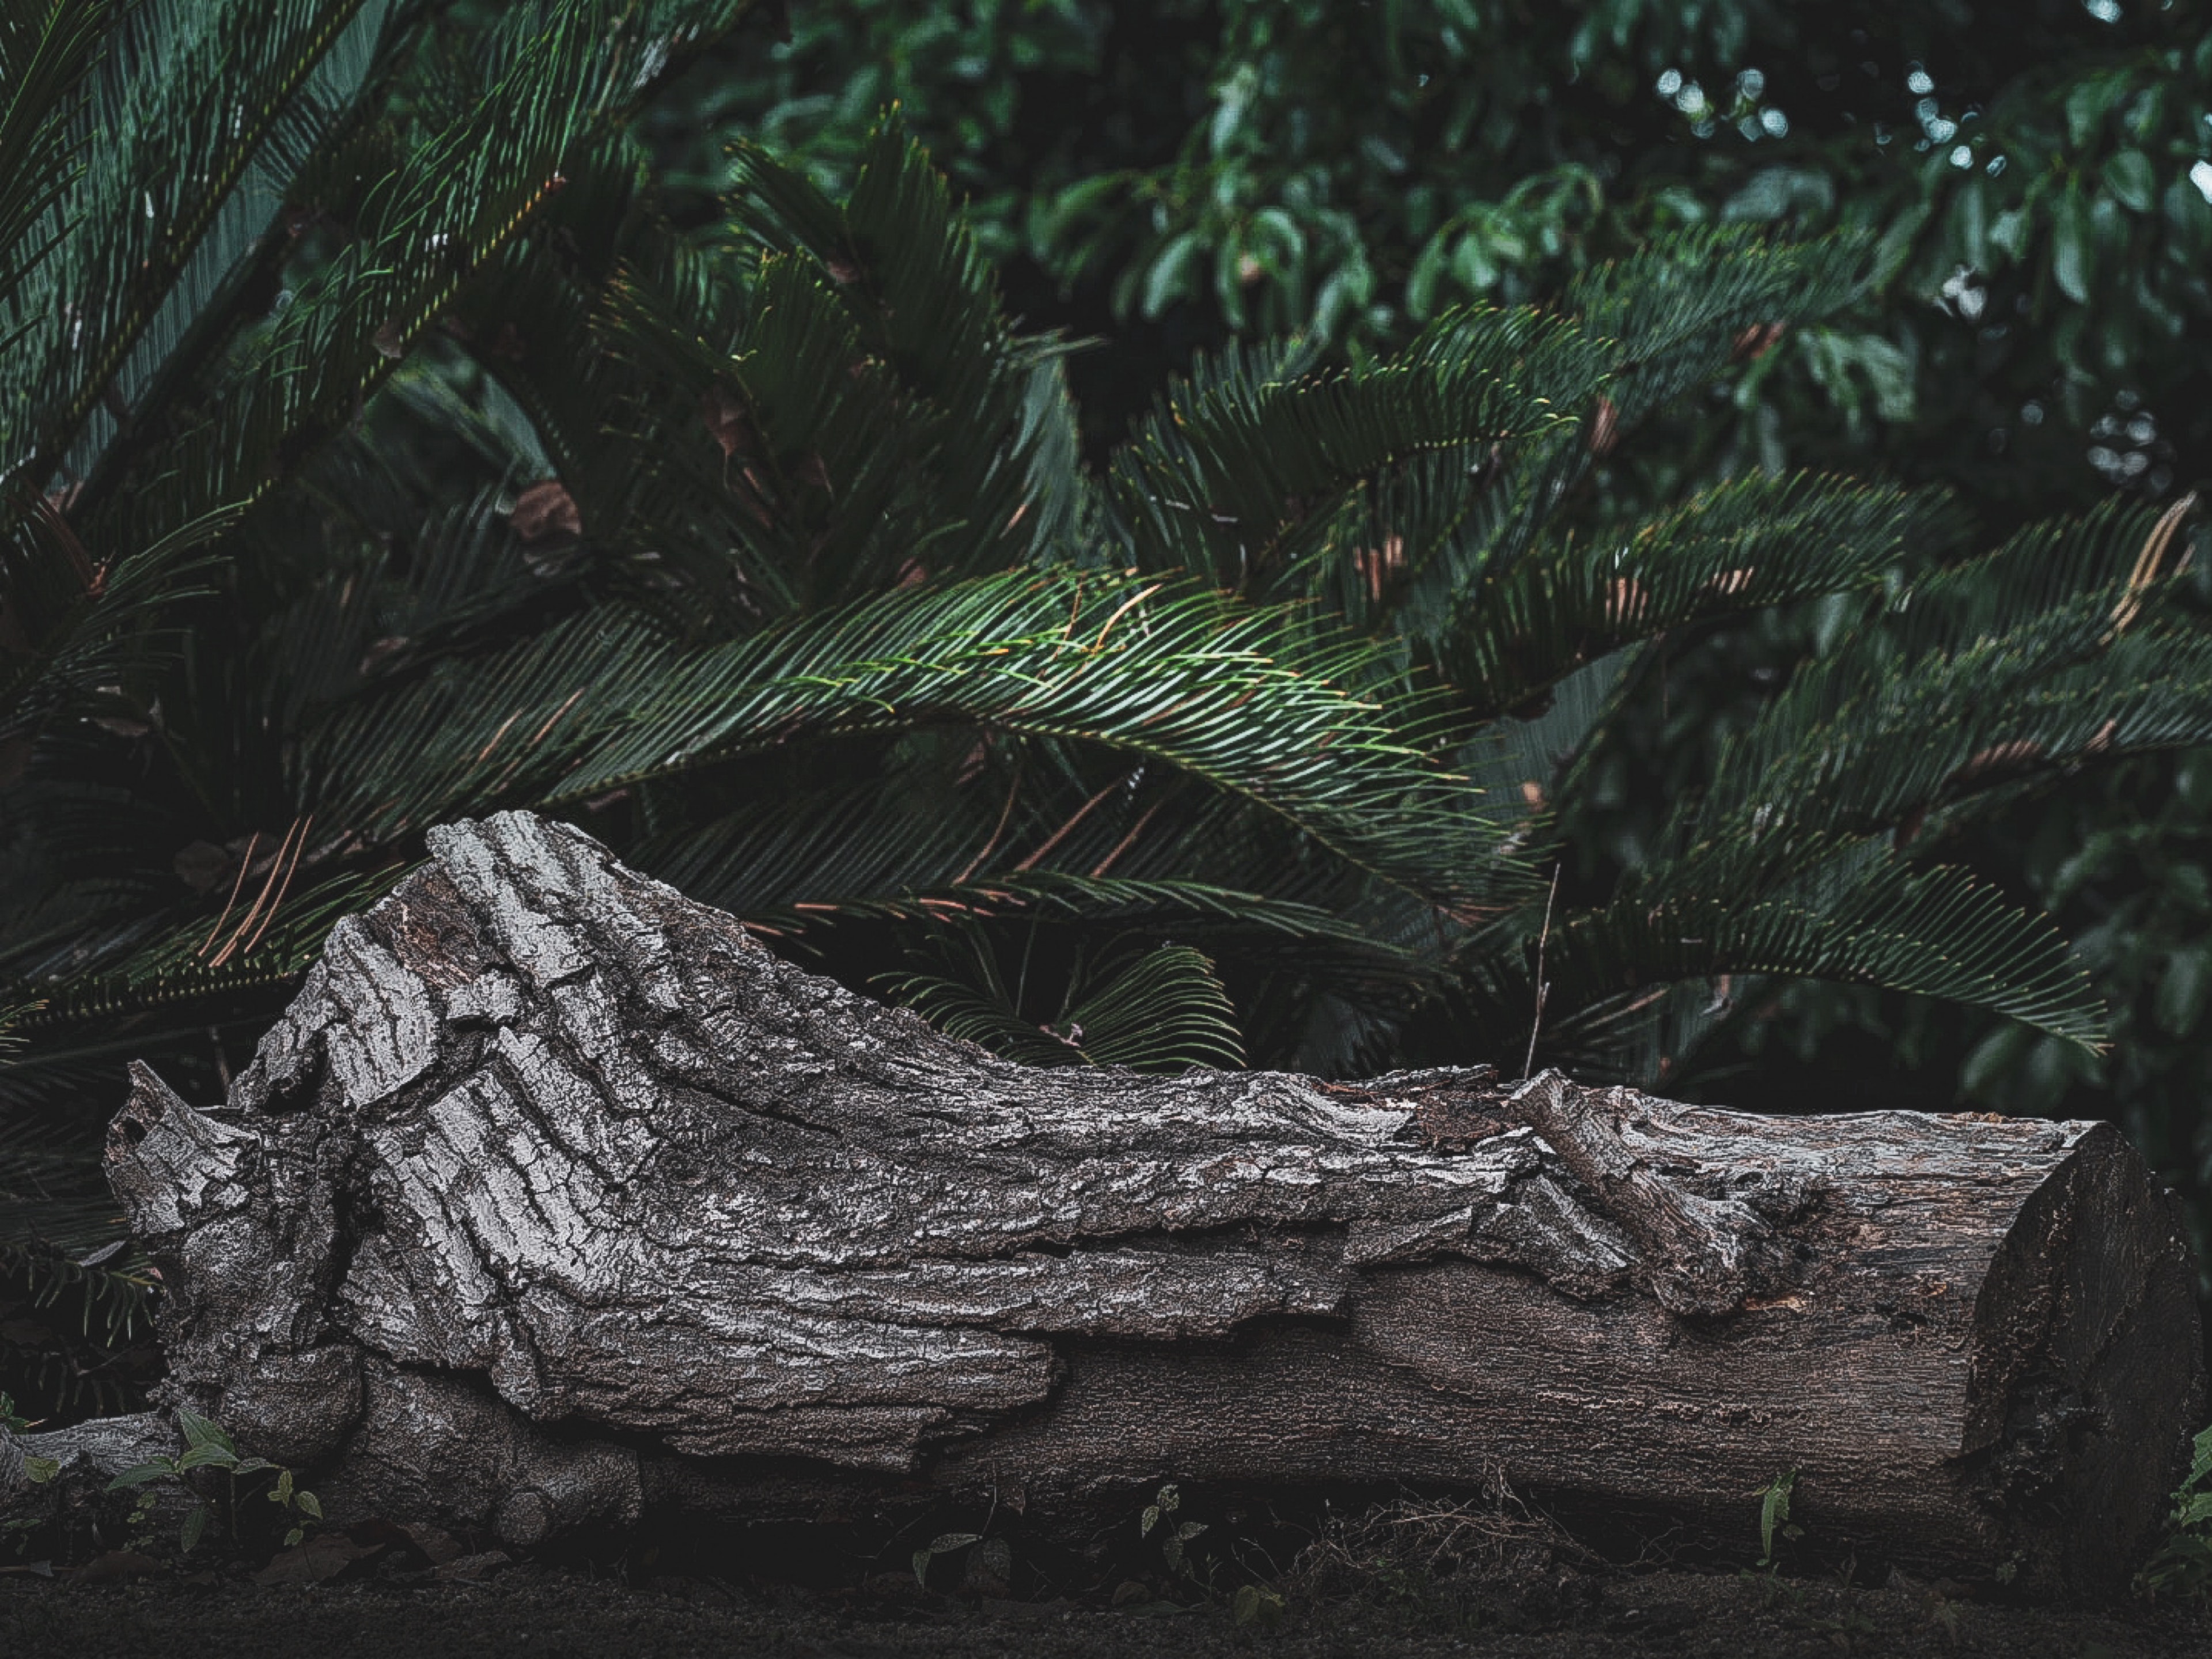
x: 37, y: 1470
x: 1774, y: 1518
x: 206, y: 1445
x: 2182, y: 1564
x: 1174, y: 1537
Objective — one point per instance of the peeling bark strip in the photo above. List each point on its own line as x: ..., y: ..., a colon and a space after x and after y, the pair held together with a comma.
x: 555, y: 1195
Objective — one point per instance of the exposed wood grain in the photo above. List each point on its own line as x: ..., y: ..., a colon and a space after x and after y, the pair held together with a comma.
x: 555, y: 1195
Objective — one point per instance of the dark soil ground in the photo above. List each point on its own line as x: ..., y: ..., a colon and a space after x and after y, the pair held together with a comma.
x: 541, y: 1611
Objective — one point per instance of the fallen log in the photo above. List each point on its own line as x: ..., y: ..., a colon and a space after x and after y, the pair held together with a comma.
x: 555, y: 1196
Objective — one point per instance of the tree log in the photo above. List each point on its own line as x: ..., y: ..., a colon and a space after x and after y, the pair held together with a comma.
x: 555, y: 1195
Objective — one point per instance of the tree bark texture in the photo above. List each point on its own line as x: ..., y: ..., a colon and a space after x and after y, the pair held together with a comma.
x: 556, y: 1195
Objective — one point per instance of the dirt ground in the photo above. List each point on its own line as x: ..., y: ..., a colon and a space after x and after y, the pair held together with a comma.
x: 537, y: 1611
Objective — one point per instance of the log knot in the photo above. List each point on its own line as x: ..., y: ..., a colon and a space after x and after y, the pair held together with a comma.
x: 1711, y: 1239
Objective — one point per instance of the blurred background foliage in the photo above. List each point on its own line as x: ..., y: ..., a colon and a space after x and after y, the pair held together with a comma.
x: 1158, y: 177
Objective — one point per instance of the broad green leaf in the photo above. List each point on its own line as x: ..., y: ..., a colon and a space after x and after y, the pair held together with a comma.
x: 2182, y: 989
x: 1171, y: 273
x: 2128, y: 176
x: 142, y: 1473
x: 204, y: 1431
x: 2071, y: 255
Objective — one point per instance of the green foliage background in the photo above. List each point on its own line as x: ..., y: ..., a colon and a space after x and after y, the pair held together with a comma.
x: 1164, y: 175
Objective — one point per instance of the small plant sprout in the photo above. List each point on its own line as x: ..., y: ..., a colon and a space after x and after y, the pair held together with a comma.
x: 1774, y: 1517
x: 37, y: 1470
x: 946, y: 1543
x: 2182, y: 1564
x: 1161, y: 1512
x: 207, y: 1445
x: 1257, y: 1608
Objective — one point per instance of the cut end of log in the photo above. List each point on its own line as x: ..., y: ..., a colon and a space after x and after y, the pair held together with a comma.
x: 554, y: 1193
x: 2087, y: 1370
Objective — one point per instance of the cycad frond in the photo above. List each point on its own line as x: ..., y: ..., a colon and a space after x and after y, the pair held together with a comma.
x: 1252, y: 701
x: 1749, y: 545
x: 1244, y: 471
x: 2034, y: 658
x: 1155, y: 1011
x: 47, y: 53
x: 1819, y: 908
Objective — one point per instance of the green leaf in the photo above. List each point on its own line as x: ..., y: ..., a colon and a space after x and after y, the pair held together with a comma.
x: 2128, y: 176
x: 200, y: 1432
x: 40, y: 1470
x: 200, y: 1457
x: 1257, y: 1608
x: 2072, y: 256
x: 1170, y: 272
x: 308, y: 1504
x: 161, y: 1469
x: 189, y: 1535
x: 2182, y: 989
x: 1774, y: 1512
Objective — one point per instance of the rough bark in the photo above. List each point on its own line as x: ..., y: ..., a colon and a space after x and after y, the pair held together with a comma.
x: 556, y: 1195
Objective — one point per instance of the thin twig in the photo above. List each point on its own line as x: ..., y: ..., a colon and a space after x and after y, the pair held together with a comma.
x: 1122, y: 845
x: 1013, y: 787
x: 1536, y: 1022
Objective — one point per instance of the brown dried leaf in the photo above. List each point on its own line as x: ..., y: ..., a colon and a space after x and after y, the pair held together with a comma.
x: 1605, y: 429
x: 727, y: 422
x: 544, y: 511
